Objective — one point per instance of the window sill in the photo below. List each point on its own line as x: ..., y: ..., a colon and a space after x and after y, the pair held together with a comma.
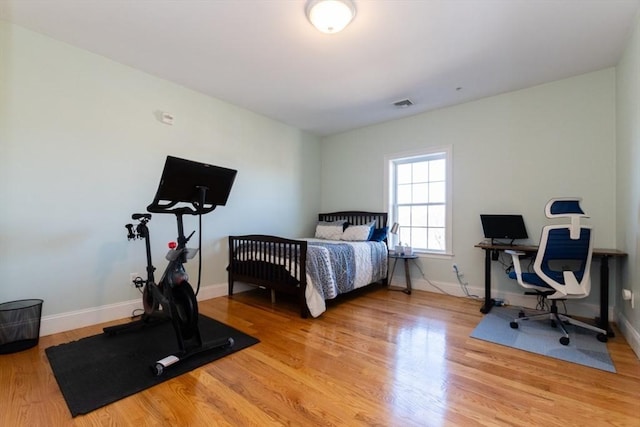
x: 433, y: 255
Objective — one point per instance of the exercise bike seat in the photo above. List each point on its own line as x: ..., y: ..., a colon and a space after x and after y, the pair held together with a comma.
x: 137, y: 216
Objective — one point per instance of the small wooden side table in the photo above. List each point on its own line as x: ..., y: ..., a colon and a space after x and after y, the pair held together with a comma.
x: 407, y: 274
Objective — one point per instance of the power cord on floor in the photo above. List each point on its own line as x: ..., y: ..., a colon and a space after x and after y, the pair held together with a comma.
x: 429, y: 281
x: 463, y: 285
x: 458, y: 275
x: 543, y: 305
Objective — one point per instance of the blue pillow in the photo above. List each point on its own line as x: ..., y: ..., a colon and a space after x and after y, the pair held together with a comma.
x: 379, y: 234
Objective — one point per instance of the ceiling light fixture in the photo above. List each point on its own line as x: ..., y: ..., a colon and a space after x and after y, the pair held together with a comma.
x: 330, y: 16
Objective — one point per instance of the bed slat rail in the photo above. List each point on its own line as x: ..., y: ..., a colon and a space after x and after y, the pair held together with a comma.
x: 269, y: 261
x: 356, y: 217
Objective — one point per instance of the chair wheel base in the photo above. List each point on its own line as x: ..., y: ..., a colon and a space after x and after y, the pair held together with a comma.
x: 514, y: 325
x: 564, y: 340
x: 602, y: 337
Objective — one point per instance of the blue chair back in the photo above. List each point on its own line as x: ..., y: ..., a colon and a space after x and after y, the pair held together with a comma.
x: 564, y: 253
x: 564, y: 256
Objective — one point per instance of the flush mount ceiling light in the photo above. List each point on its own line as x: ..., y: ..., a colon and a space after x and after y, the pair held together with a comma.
x: 330, y: 16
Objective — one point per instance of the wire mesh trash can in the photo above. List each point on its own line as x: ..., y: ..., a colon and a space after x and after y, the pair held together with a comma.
x: 19, y: 325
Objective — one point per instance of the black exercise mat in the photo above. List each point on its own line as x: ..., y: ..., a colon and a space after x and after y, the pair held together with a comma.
x: 98, y: 370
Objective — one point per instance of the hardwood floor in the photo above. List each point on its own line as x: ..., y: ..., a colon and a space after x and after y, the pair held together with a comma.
x: 377, y: 358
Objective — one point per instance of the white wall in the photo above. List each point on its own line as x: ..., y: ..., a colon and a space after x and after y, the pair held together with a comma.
x: 628, y: 186
x: 81, y: 149
x: 511, y: 154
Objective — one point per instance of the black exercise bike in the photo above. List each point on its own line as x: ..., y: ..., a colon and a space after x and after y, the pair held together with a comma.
x: 173, y: 298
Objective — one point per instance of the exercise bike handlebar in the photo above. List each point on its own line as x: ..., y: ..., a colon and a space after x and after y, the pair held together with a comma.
x: 197, y: 209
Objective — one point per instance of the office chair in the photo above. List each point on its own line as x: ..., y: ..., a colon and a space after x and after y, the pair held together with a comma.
x: 561, y: 269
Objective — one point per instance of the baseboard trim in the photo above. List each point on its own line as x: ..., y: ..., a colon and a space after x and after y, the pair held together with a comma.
x: 515, y: 298
x: 630, y: 334
x: 91, y: 316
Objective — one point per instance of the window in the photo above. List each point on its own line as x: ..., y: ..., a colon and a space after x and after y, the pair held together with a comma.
x: 419, y: 199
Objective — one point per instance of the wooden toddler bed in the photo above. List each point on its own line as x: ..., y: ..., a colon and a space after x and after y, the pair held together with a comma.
x: 341, y: 258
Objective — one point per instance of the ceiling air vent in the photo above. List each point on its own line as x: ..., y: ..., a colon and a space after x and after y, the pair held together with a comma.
x: 403, y: 104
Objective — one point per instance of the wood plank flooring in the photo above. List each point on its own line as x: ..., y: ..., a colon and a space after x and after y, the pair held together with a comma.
x: 376, y: 358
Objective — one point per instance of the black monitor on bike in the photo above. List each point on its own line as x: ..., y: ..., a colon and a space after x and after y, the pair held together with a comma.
x: 202, y: 185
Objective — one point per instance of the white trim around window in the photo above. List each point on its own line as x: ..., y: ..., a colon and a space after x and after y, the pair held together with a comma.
x: 417, y: 198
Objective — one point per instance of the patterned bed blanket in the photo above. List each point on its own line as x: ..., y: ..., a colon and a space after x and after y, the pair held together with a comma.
x: 337, y: 267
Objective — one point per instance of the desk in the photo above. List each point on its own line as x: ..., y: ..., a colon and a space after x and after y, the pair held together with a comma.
x: 603, y: 254
x: 407, y: 274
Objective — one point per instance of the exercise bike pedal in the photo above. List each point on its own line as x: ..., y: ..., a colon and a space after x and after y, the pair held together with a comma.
x: 139, y: 282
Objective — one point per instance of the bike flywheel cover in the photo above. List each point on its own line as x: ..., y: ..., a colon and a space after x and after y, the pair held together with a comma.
x: 186, y: 309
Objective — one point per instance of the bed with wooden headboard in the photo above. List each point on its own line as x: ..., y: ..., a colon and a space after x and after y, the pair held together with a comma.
x: 348, y: 251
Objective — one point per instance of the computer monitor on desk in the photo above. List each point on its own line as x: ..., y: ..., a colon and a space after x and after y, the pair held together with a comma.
x: 507, y: 227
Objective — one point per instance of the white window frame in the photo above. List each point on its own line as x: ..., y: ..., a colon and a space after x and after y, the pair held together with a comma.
x: 391, y: 161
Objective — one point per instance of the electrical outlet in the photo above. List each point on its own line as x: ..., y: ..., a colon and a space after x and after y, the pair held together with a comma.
x: 627, y: 295
x: 132, y: 278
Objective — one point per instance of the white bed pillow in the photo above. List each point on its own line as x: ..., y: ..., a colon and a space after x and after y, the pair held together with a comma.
x: 357, y: 233
x: 329, y: 230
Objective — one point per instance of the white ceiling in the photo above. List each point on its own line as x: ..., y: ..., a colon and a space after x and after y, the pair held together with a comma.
x: 264, y: 55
